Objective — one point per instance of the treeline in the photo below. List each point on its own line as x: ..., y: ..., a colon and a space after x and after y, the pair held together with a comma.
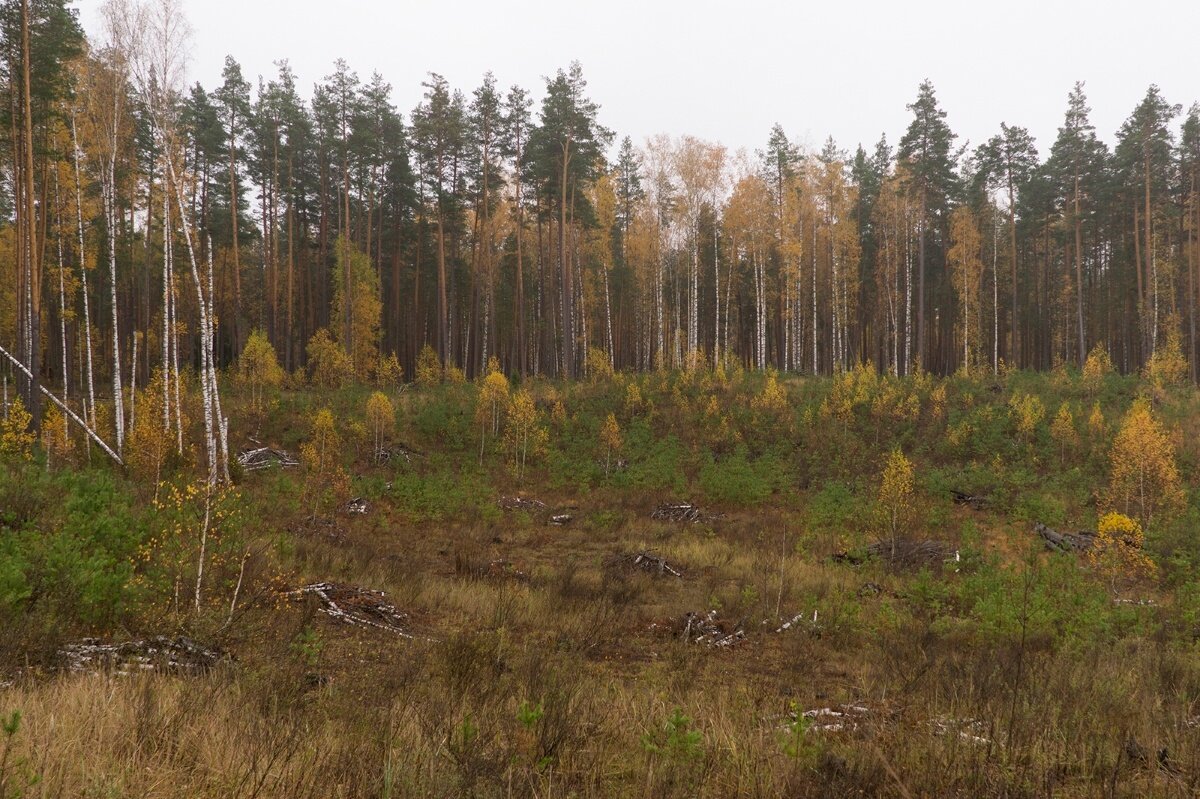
x: 149, y: 224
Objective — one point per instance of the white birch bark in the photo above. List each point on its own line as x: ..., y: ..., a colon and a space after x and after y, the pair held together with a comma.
x: 90, y: 407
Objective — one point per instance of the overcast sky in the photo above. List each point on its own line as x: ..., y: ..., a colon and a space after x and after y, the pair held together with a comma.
x: 727, y: 71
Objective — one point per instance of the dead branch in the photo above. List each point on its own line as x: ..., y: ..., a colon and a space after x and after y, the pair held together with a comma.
x: 975, y: 501
x: 642, y: 561
x: 65, y: 409
x: 709, y: 631
x: 360, y: 607
x: 682, y: 512
x: 253, y: 460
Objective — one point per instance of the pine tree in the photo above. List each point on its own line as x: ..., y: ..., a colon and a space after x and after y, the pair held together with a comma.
x: 1076, y: 168
x: 568, y: 148
x: 929, y: 169
x: 1007, y: 161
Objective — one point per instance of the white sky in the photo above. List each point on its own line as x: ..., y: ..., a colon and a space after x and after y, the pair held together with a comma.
x: 727, y: 71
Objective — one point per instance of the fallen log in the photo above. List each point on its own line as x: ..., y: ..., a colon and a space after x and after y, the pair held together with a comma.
x: 356, y: 505
x: 840, y: 718
x: 1065, y: 542
x: 177, y: 655
x: 65, y: 409
x: 798, y: 620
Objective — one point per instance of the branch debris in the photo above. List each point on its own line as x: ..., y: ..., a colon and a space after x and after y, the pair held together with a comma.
x: 708, y: 630
x: 359, y: 607
x: 522, y: 503
x: 975, y: 501
x: 253, y: 460
x: 682, y: 512
x: 641, y: 561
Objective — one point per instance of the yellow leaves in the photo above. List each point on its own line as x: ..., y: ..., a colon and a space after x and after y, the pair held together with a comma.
x: 1168, y: 366
x: 937, y: 402
x: 429, y: 367
x: 1116, y: 553
x: 610, y: 434
x: 56, y: 437
x: 1063, y: 431
x: 16, y: 442
x: 1027, y: 412
x: 524, y: 436
x: 1097, y: 367
x: 331, y: 366
x: 353, y: 270
x: 633, y: 400
x: 896, y: 493
x: 321, y: 457
x: 259, y: 368
x: 772, y: 400
x: 599, y: 367
x: 152, y: 438
x: 388, y: 371
x: 1144, y: 480
x: 610, y: 440
x: 381, y: 418
x: 716, y: 430
x: 1097, y: 426
x: 850, y: 390
x: 489, y: 407
x: 966, y: 269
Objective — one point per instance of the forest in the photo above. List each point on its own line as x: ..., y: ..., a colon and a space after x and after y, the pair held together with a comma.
x: 479, y: 450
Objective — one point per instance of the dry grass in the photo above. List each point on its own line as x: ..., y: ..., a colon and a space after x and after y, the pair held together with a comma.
x: 557, y: 676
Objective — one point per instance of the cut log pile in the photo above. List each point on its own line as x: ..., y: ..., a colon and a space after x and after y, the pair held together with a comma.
x: 642, y: 561
x: 258, y: 458
x: 681, y: 512
x: 1064, y: 542
x: 710, y: 631
x: 177, y: 655
x: 975, y: 501
x: 359, y: 607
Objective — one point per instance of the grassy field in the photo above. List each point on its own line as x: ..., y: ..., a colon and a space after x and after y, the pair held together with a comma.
x: 536, y: 659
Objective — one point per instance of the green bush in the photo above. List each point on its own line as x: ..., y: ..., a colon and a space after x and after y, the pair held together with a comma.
x: 735, y: 480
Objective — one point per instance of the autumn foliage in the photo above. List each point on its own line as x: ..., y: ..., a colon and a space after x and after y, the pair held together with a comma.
x: 1143, y: 478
